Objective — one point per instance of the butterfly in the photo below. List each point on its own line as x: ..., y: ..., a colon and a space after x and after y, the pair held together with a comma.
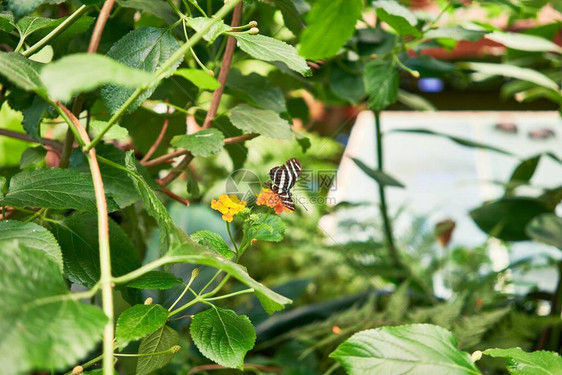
x: 283, y: 178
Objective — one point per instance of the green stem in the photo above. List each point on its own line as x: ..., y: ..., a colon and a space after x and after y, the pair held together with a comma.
x: 231, y: 237
x: 193, y: 276
x: 164, y: 70
x: 174, y: 349
x: 194, y: 2
x: 56, y: 31
x: 210, y: 282
x: 189, y: 304
x: 245, y: 291
x: 389, y: 238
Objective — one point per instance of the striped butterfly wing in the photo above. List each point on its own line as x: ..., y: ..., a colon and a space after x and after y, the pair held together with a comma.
x: 283, y: 178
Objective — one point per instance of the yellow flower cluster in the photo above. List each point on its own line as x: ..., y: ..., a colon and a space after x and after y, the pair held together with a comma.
x: 228, y: 206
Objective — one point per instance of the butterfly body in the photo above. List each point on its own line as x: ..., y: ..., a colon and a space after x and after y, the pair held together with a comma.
x: 283, y: 178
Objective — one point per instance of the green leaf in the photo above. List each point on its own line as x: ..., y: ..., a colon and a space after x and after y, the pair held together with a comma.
x: 382, y: 178
x: 42, y: 327
x: 200, y: 23
x: 145, y: 48
x: 33, y: 157
x: 268, y: 49
x: 546, y: 228
x: 455, y: 33
x: 191, y: 252
x: 457, y: 140
x: 199, y: 78
x: 32, y: 117
x: 261, y: 121
x: 115, y: 181
x: 267, y: 228
x: 2, y: 186
x: 21, y: 71
x: 381, y: 83
x: 214, y: 241
x: 222, y: 336
x: 511, y: 71
x: 139, y: 321
x: 414, y: 101
x: 78, y: 239
x: 330, y: 23
x: 54, y: 188
x: 89, y: 71
x: 155, y: 280
x: 519, y: 362
x: 525, y: 170
x: 256, y: 90
x: 345, y: 84
x: 28, y: 25
x: 161, y: 340
x: 116, y: 132
x: 524, y: 42
x: 508, y: 217
x: 21, y: 8
x: 397, y: 16
x: 414, y: 349
x: 158, y: 8
x: 32, y: 236
x: 205, y: 143
x: 291, y: 15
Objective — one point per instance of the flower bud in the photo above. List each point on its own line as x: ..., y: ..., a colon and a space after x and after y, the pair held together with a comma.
x: 148, y: 301
x: 254, y: 31
x: 253, y: 24
x: 415, y: 74
x: 253, y: 241
x: 176, y: 348
x: 476, y: 356
x: 210, y: 72
x: 195, y: 273
x: 77, y: 370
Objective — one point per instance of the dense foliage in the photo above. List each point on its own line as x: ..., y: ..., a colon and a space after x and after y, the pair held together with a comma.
x: 103, y: 268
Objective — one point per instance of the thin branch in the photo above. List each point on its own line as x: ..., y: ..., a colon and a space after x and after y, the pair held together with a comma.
x: 103, y: 238
x: 157, y: 142
x: 173, y: 195
x: 217, y: 95
x: 26, y: 138
x: 100, y: 25
x: 166, y: 158
x: 225, y: 68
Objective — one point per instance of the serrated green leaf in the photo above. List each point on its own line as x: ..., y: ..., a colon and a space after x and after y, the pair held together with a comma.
x: 205, y: 143
x: 268, y: 49
x: 42, y: 328
x: 21, y: 8
x: 28, y: 25
x: 32, y: 236
x: 330, y: 24
x: 382, y: 178
x: 158, y: 8
x: 199, y: 23
x: 546, y: 228
x: 414, y: 349
x: 116, y: 132
x: 199, y: 78
x: 214, y: 241
x: 54, y: 188
x: 519, y: 362
x: 397, y: 16
x: 145, y: 48
x: 155, y: 280
x: 33, y: 157
x: 261, y: 121
x: 78, y: 238
x: 89, y: 71
x: 511, y: 71
x: 267, y: 228
x: 21, y: 71
x: 115, y: 181
x: 381, y: 83
x: 347, y: 82
x: 139, y: 321
x: 256, y: 90
x: 161, y: 340
x: 524, y: 42
x: 508, y: 217
x: 223, y: 336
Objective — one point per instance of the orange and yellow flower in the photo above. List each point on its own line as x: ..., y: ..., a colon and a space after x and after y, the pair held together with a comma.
x: 270, y: 199
x: 228, y: 206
